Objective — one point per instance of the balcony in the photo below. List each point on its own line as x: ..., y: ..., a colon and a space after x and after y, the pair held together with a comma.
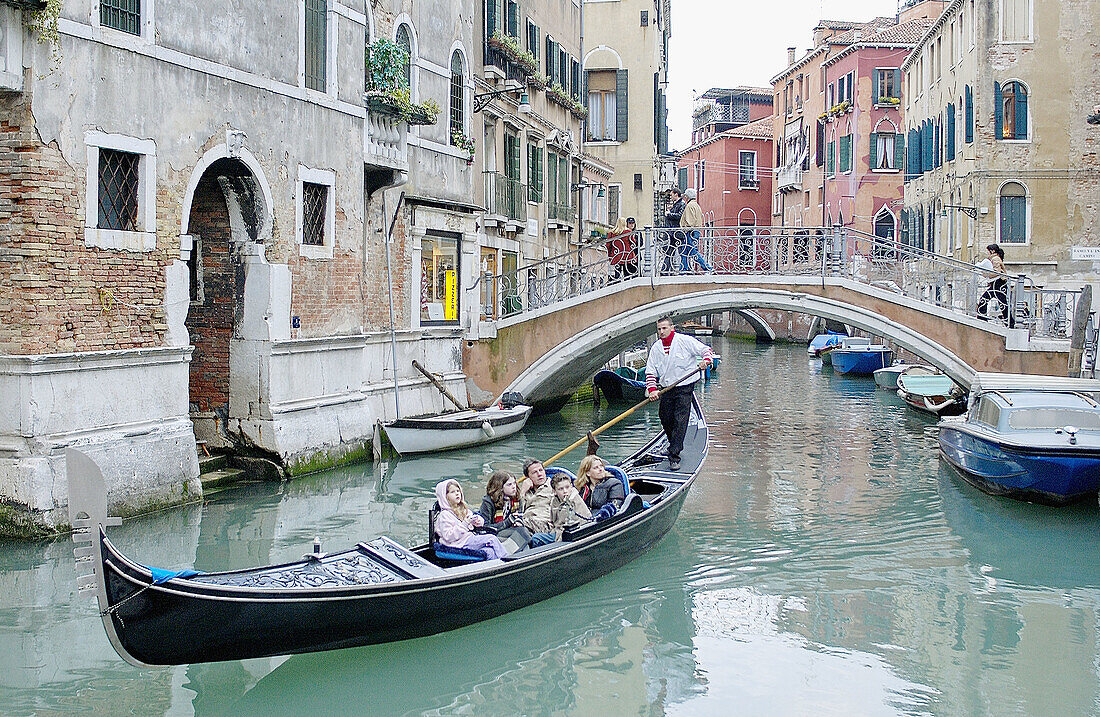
x: 505, y: 198
x: 715, y: 113
x: 504, y: 67
x: 559, y: 214
x: 789, y: 178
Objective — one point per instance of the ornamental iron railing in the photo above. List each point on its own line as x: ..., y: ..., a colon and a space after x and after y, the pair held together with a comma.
x: 888, y: 265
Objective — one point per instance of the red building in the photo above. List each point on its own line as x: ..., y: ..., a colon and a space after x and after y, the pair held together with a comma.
x: 730, y: 162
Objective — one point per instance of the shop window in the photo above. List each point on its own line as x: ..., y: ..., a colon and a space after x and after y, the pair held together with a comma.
x: 439, y: 289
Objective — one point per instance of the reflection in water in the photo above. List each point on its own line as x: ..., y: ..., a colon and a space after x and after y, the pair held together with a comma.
x: 824, y: 561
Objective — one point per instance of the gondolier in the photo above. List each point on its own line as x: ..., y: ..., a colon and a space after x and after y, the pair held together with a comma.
x: 671, y: 357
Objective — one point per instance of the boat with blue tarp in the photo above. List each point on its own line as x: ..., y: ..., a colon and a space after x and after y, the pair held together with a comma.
x: 1034, y: 438
x: 820, y: 341
x: 930, y: 391
x: 860, y: 360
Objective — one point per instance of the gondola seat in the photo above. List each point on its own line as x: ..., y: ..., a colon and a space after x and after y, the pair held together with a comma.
x: 623, y: 509
x: 449, y: 552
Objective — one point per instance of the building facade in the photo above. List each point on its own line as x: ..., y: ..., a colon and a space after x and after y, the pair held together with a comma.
x: 203, y: 237
x: 625, y: 75
x: 801, y: 111
x: 997, y: 93
x: 729, y: 162
x: 862, y: 131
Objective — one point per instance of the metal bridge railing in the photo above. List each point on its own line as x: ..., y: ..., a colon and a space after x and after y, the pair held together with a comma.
x: 909, y: 271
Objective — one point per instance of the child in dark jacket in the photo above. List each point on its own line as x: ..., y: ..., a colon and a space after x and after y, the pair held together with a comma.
x: 500, y: 506
x: 567, y: 510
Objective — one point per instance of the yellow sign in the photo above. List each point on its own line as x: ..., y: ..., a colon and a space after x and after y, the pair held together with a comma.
x: 450, y: 299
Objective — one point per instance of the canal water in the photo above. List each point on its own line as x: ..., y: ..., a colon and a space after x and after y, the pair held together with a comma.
x: 825, y: 562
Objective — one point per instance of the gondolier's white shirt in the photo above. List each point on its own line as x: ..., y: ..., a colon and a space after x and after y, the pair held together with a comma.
x: 683, y: 355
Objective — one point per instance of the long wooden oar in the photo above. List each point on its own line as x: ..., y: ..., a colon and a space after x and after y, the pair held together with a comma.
x: 438, y: 384
x: 590, y: 436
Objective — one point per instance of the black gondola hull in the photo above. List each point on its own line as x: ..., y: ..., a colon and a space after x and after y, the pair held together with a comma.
x: 167, y: 625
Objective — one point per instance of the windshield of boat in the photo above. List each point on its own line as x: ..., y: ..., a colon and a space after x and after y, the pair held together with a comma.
x: 1032, y: 418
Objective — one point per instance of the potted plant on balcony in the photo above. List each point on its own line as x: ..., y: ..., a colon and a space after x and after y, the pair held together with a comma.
x: 889, y: 101
x: 464, y: 143
x: 578, y: 110
x: 387, y: 90
x: 538, y: 81
x: 558, y: 94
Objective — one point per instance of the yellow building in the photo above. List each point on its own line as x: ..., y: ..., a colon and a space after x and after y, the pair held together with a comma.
x: 998, y: 148
x: 625, y: 72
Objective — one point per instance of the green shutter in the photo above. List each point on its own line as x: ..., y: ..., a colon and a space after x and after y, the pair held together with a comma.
x: 1021, y: 111
x: 830, y: 159
x: 513, y: 18
x: 846, y: 153
x: 622, y: 118
x: 492, y: 17
x: 874, y: 151
x: 899, y: 150
x: 968, y: 109
x: 876, y: 87
x: 998, y: 111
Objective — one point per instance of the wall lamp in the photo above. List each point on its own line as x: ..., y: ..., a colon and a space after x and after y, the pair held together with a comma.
x: 482, y: 99
x: 971, y: 212
x: 578, y: 186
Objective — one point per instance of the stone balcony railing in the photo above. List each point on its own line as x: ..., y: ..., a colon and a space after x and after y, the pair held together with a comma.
x: 385, y: 141
x: 789, y: 178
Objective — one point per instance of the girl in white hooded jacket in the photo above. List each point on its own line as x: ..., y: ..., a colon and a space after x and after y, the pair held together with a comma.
x: 454, y: 526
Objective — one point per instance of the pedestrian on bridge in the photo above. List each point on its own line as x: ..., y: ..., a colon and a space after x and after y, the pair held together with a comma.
x: 670, y: 247
x: 998, y: 285
x: 671, y: 358
x: 692, y: 220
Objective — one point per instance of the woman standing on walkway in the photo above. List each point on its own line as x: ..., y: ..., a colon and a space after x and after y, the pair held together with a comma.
x: 998, y: 286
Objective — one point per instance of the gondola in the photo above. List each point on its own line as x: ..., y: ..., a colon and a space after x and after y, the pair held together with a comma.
x: 623, y: 385
x: 376, y: 592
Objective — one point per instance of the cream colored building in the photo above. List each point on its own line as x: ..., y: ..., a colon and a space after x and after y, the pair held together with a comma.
x: 625, y: 73
x: 998, y: 150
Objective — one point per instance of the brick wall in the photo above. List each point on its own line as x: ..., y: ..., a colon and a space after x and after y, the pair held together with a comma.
x: 56, y: 295
x: 210, y: 322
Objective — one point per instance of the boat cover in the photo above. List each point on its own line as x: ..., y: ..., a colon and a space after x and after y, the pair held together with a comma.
x: 933, y: 385
x: 1018, y: 382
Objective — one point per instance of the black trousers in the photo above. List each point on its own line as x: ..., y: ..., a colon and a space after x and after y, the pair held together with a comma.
x: 674, y: 411
x: 998, y: 289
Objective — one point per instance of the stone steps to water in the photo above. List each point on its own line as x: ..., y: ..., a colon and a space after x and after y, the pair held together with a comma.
x: 214, y: 462
x: 221, y: 478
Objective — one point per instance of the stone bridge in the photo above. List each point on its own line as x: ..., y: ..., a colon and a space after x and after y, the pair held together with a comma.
x: 547, y: 353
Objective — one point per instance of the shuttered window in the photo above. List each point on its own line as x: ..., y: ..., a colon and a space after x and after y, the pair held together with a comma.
x: 621, y: 113
x: 534, y: 172
x: 533, y: 39
x: 1013, y: 214
x: 492, y: 18
x: 884, y: 155
x: 845, y: 153
x: 512, y: 26
x: 551, y: 59
x: 950, y: 131
x: 1010, y: 111
x: 968, y: 109
x: 315, y: 43
x: 830, y: 159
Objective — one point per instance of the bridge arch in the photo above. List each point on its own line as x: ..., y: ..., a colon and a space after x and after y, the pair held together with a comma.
x: 570, y: 363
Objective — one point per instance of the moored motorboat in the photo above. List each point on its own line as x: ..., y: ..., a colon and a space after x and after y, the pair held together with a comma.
x: 845, y: 342
x: 1035, y: 438
x: 860, y: 360
x: 378, y: 591
x: 821, y: 341
x: 460, y: 429
x: 930, y: 391
x: 887, y: 377
x: 623, y: 385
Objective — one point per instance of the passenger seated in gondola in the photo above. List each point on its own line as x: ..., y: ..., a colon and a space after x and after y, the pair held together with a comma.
x: 501, y: 504
x: 454, y: 526
x: 535, y: 495
x: 607, y: 491
x: 567, y: 508
x: 500, y: 508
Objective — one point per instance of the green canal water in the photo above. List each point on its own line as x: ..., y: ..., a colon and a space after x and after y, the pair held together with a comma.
x: 825, y: 562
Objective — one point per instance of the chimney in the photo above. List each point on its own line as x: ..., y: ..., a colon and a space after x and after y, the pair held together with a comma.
x: 790, y: 55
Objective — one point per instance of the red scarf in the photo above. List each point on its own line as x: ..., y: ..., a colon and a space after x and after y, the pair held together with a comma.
x: 667, y: 342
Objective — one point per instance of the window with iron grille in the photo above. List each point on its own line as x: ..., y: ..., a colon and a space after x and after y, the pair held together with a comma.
x: 404, y: 41
x: 314, y: 213
x: 124, y: 15
x: 458, y: 97
x: 315, y: 43
x: 118, y: 190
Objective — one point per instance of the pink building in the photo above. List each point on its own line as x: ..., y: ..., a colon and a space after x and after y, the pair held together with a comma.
x: 732, y: 172
x: 862, y: 129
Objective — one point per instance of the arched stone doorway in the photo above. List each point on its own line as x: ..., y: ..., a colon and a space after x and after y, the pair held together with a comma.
x: 227, y: 220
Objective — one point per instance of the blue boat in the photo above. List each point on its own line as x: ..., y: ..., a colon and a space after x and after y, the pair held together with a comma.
x: 861, y: 360
x: 623, y: 385
x: 1034, y: 438
x: 820, y: 341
